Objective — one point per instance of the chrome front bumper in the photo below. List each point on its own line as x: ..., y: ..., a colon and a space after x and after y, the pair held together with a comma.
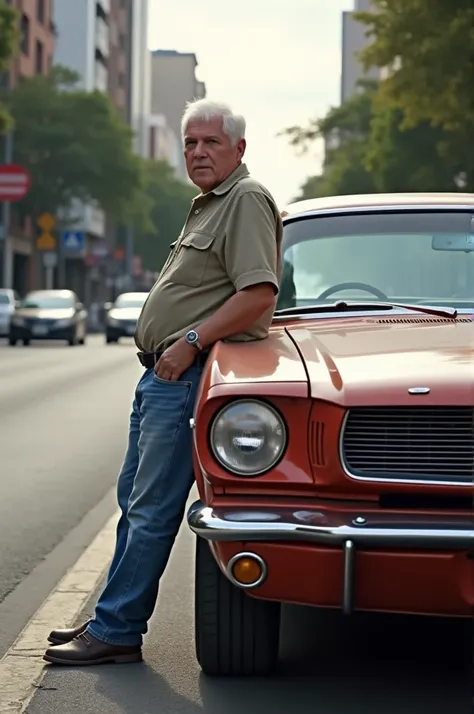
x: 346, y: 529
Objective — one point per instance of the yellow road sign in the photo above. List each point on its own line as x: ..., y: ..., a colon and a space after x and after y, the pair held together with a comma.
x: 46, y: 222
x: 46, y: 241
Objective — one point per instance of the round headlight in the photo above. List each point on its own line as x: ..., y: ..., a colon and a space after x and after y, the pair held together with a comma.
x: 248, y: 437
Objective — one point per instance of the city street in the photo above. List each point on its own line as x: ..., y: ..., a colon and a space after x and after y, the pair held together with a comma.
x: 63, y: 423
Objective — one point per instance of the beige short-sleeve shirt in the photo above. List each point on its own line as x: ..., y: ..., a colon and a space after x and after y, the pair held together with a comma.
x: 231, y: 240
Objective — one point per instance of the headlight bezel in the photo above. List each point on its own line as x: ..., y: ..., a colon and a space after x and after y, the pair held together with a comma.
x: 246, y: 400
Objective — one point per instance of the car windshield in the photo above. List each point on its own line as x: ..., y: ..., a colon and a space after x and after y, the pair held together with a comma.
x: 423, y: 257
x: 4, y: 299
x: 132, y: 300
x: 54, y: 301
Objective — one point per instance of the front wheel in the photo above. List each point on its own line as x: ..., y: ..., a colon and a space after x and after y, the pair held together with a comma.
x: 236, y: 635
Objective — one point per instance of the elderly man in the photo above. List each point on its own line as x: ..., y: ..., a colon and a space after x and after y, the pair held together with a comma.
x: 219, y: 283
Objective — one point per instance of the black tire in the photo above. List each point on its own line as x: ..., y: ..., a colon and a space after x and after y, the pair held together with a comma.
x: 110, y: 340
x: 236, y: 635
x: 12, y: 342
x: 26, y: 342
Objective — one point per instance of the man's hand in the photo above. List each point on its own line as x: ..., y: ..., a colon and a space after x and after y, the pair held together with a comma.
x: 175, y: 360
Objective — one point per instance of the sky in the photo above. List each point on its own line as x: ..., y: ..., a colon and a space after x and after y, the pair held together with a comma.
x: 277, y: 62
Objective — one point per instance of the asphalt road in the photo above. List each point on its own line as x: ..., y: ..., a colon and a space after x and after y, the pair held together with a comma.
x: 329, y: 665
x: 63, y: 427
x: 63, y: 421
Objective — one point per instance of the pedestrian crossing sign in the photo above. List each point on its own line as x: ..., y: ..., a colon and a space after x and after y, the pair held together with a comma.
x: 73, y: 241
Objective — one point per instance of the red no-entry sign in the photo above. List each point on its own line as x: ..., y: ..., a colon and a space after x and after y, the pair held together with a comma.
x: 14, y: 182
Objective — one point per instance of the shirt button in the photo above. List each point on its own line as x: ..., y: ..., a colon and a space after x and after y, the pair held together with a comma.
x: 198, y: 210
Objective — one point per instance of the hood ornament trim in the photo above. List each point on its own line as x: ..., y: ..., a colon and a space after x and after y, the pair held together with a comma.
x: 419, y: 390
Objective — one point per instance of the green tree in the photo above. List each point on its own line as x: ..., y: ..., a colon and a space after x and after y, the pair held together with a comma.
x: 408, y: 159
x: 9, y: 37
x: 75, y: 144
x: 170, y: 201
x: 346, y: 131
x: 427, y: 46
x: 369, y: 149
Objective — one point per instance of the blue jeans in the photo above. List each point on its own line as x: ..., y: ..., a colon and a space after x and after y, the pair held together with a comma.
x: 153, y: 488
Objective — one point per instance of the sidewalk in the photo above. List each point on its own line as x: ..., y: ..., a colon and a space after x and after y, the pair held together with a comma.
x: 168, y: 678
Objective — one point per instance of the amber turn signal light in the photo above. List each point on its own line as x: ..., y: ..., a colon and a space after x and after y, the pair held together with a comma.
x: 247, y: 570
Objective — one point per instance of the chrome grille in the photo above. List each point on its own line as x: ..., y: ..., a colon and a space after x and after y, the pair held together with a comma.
x: 415, y: 443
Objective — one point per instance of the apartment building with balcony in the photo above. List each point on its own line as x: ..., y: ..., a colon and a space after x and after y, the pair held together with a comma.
x: 105, y: 41
x: 35, y: 56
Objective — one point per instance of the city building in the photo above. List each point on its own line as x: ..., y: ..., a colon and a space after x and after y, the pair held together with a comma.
x: 34, y: 57
x: 353, y: 42
x: 105, y: 41
x: 173, y: 84
x: 164, y: 144
x: 352, y: 71
x: 140, y: 75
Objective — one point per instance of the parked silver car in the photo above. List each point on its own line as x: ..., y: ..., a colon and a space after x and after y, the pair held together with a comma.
x: 8, y: 300
x: 122, y: 316
x: 49, y: 315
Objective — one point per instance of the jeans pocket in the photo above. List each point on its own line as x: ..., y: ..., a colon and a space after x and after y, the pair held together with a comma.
x: 172, y: 383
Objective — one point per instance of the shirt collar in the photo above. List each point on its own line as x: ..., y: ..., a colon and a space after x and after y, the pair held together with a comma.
x: 239, y: 173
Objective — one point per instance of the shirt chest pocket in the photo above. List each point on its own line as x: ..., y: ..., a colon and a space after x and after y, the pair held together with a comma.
x: 192, y: 259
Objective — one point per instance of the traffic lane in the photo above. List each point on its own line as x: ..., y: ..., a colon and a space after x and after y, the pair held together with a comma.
x: 328, y: 664
x: 63, y: 428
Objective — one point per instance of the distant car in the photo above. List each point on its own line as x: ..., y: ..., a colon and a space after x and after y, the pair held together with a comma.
x: 8, y: 300
x: 334, y: 459
x: 49, y: 315
x: 122, y: 316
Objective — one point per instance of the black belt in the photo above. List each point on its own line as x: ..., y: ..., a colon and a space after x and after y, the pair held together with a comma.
x: 149, y: 359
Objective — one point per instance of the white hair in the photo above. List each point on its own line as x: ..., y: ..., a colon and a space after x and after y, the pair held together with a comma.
x: 204, y: 110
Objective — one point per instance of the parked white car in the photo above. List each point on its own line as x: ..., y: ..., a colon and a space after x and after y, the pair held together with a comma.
x: 8, y: 300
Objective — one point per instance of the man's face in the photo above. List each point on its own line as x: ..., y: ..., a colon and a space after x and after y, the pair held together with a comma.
x: 210, y: 156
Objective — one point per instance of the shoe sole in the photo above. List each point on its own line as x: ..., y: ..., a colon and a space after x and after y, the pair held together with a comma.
x: 115, y: 659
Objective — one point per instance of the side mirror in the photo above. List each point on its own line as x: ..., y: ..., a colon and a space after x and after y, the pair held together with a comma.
x: 79, y: 306
x: 107, y: 306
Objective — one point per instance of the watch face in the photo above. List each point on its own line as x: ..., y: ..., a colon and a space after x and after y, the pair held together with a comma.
x: 192, y: 337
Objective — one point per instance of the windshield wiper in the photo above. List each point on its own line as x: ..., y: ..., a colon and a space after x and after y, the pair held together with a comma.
x: 342, y: 306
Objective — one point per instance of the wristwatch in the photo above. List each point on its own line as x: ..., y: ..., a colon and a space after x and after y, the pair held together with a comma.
x: 192, y: 338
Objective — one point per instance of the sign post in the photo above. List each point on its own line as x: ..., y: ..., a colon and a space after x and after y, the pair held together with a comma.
x: 14, y: 185
x: 46, y: 243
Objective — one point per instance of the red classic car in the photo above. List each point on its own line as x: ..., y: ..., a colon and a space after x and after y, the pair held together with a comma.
x: 335, y: 459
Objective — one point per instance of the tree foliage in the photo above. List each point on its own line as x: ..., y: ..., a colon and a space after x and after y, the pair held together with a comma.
x: 170, y: 200
x: 415, y: 130
x: 370, y: 150
x: 75, y: 144
x: 9, y: 37
x: 427, y: 46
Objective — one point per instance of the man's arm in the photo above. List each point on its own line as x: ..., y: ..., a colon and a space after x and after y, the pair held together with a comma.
x: 238, y: 314
x: 252, y: 262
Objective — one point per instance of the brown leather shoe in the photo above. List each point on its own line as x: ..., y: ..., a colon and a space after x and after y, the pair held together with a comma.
x: 86, y: 650
x: 61, y: 637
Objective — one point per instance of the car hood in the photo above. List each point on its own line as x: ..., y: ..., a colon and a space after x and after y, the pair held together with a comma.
x: 45, y: 313
x: 125, y: 313
x: 376, y: 361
